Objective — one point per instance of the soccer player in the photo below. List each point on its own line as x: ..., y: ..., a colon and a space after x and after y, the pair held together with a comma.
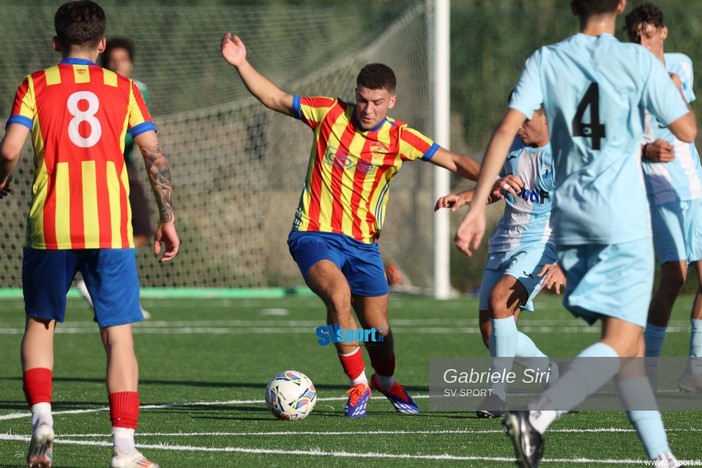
x: 674, y: 182
x: 79, y: 220
x: 521, y: 254
x: 356, y: 152
x: 592, y: 88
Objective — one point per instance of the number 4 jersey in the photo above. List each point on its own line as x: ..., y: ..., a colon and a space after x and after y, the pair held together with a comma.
x: 79, y: 114
x: 594, y: 90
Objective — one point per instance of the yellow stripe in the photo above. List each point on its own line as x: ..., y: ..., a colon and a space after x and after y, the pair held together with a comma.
x: 110, y: 78
x: 347, y: 180
x: 91, y: 222
x: 113, y: 187
x: 52, y: 76
x: 63, y: 205
x: 81, y: 74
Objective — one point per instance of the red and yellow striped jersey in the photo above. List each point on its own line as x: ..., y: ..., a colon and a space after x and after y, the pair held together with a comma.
x: 350, y: 169
x: 79, y: 114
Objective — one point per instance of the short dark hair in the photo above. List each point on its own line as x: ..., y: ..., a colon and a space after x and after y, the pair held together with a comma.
x: 117, y: 43
x: 377, y: 76
x: 646, y: 13
x: 80, y: 23
x: 588, y: 8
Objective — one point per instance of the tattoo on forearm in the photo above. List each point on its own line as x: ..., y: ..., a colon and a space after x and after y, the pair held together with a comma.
x: 160, y: 179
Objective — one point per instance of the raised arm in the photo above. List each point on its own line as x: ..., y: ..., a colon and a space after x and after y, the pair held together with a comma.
x: 464, y: 166
x: 160, y: 179
x: 234, y: 52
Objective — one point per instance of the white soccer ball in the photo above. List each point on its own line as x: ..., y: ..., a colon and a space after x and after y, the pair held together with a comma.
x: 290, y: 395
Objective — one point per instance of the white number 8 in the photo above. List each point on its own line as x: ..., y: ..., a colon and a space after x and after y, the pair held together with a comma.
x: 87, y: 115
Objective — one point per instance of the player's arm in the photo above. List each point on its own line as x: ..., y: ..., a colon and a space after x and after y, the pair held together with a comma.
x: 10, y: 149
x: 159, y: 173
x: 685, y: 127
x: 234, y: 52
x: 460, y: 164
x: 472, y: 228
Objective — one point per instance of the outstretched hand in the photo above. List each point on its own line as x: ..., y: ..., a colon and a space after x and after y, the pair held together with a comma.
x: 166, y: 233
x: 233, y: 49
x: 451, y: 201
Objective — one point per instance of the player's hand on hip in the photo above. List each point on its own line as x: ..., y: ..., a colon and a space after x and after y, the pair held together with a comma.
x: 660, y: 150
x: 471, y: 230
x: 233, y: 49
x: 166, y: 233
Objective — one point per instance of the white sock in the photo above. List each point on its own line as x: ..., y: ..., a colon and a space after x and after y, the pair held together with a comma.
x: 542, y: 414
x: 123, y: 440
x: 41, y: 413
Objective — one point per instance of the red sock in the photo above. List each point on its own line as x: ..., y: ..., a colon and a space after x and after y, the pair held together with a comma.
x: 37, y: 385
x: 384, y: 366
x: 353, y: 363
x: 124, y: 409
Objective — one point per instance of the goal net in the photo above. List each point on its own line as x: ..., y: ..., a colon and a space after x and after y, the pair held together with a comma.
x: 238, y: 168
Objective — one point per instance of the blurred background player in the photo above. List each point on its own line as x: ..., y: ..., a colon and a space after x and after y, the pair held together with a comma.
x: 674, y: 181
x: 119, y: 57
x: 357, y: 150
x: 521, y: 255
x: 593, y: 88
x: 77, y: 221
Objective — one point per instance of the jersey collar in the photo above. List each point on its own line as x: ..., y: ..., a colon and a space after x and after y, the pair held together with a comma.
x: 77, y: 61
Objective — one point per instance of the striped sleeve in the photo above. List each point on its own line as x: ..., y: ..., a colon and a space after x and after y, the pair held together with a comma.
x: 24, y: 106
x: 414, y: 145
x: 139, y: 116
x: 311, y: 110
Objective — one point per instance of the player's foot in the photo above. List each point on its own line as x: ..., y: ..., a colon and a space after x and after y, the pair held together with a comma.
x: 491, y: 407
x: 690, y: 383
x: 666, y: 460
x: 359, y: 395
x: 41, y: 447
x: 133, y: 460
x: 528, y: 443
x: 145, y: 313
x: 397, y: 395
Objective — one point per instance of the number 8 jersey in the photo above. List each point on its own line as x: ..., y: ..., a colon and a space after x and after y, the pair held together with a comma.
x: 79, y: 114
x: 594, y: 90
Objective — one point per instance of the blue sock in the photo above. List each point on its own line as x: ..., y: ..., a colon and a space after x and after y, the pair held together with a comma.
x: 583, y: 378
x: 636, y: 393
x: 654, y: 336
x: 504, y: 331
x: 696, y: 346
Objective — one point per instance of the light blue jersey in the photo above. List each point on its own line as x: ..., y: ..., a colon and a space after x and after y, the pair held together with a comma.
x: 680, y: 179
x: 601, y: 196
x: 526, y: 219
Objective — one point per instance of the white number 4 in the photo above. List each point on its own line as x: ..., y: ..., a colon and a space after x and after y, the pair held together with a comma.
x: 87, y: 116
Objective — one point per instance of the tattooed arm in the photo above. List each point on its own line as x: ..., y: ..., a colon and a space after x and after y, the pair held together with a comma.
x: 159, y: 173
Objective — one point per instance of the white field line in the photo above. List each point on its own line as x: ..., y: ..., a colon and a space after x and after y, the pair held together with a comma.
x: 336, y: 454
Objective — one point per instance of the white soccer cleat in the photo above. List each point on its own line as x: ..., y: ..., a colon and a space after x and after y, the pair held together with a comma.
x: 41, y: 447
x: 133, y: 460
x: 666, y: 460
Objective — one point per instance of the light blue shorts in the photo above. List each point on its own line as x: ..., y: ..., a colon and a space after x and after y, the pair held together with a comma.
x: 524, y: 264
x: 109, y: 274
x: 677, y: 231
x: 609, y: 280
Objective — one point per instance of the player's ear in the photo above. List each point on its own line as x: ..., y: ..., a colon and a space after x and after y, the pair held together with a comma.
x: 393, y: 100
x: 102, y: 45
x: 664, y: 32
x: 56, y: 44
x: 621, y: 7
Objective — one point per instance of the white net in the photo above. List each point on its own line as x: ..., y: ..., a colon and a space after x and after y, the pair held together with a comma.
x: 239, y: 168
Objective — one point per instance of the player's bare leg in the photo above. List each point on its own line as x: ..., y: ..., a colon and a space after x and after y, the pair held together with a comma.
x: 329, y: 283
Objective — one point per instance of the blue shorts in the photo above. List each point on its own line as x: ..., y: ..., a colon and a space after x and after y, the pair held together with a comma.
x: 360, y: 263
x: 109, y: 274
x: 524, y: 264
x: 609, y: 280
x: 677, y: 231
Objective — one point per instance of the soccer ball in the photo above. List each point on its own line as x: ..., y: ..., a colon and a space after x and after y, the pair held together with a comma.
x: 290, y: 395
